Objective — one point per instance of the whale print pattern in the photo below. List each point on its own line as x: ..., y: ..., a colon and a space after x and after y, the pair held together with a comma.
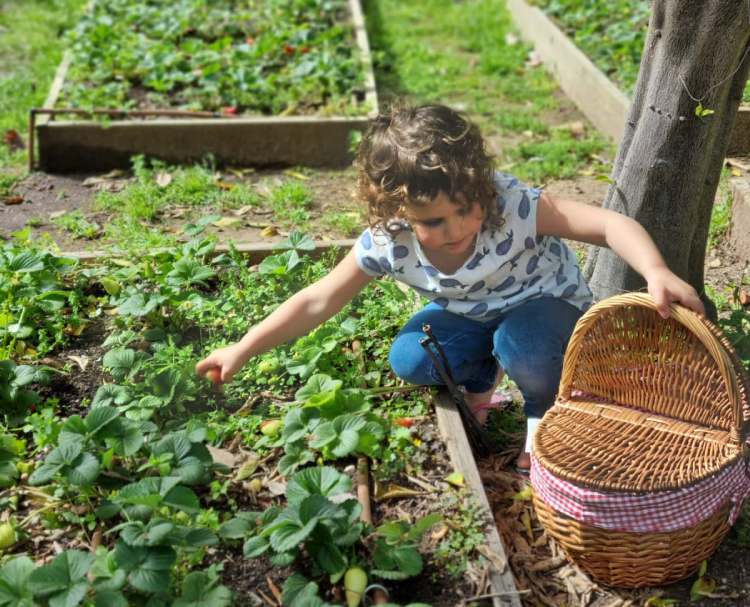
x: 507, y: 266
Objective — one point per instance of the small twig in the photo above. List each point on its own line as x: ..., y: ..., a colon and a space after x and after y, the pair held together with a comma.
x: 274, y: 589
x: 266, y: 598
x: 363, y: 489
x: 493, y: 595
x: 96, y: 539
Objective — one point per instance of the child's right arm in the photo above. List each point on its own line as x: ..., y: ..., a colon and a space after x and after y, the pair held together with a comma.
x: 297, y: 316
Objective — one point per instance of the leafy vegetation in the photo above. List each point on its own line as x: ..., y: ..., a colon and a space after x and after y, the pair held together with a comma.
x: 612, y: 35
x: 138, y: 458
x: 270, y: 58
x: 31, y: 47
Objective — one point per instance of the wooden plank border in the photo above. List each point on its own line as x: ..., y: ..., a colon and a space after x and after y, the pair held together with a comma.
x: 595, y: 95
x: 81, y: 145
x: 254, y: 252
x: 504, y: 592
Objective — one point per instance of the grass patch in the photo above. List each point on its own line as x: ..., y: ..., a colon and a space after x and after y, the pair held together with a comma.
x: 721, y: 213
x: 77, y: 225
x: 31, y: 47
x: 467, y: 55
x: 290, y: 202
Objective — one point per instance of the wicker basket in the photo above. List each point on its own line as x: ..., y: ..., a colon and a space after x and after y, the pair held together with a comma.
x: 646, y: 406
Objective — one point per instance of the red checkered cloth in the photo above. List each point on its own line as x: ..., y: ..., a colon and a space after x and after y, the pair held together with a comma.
x: 648, y: 512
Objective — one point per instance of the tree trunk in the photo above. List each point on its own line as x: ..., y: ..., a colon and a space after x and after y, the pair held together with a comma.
x: 669, y: 161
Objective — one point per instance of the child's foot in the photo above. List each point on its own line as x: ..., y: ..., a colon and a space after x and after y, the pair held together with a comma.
x: 523, y: 463
x: 481, y: 410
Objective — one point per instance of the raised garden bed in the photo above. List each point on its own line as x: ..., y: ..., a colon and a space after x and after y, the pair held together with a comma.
x: 597, y: 97
x: 220, y: 76
x: 129, y: 480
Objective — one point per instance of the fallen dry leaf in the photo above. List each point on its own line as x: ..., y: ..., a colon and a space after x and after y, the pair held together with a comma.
x: 13, y: 140
x: 81, y: 361
x: 11, y: 200
x: 269, y: 231
x: 227, y: 222
x: 163, y: 179
x: 222, y: 456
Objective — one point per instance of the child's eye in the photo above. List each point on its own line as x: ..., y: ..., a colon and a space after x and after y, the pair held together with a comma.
x: 431, y: 223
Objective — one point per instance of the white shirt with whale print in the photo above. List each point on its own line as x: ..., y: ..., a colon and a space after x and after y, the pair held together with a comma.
x: 508, y: 267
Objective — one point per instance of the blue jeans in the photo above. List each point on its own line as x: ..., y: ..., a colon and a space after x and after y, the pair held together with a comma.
x: 528, y: 342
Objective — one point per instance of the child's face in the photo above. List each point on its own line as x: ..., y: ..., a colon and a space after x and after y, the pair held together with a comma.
x: 445, y: 226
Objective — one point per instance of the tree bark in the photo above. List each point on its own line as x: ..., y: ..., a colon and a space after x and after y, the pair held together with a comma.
x: 669, y: 161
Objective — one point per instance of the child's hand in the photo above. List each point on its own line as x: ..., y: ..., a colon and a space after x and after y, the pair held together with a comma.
x: 666, y: 288
x: 221, y: 365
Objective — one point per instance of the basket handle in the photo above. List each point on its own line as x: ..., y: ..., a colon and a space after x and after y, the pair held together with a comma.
x: 691, y: 320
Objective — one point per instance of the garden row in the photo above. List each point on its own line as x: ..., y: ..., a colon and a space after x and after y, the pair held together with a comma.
x: 131, y: 481
x: 205, y: 78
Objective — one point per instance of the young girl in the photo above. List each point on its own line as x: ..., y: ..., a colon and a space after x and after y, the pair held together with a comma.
x: 485, y: 249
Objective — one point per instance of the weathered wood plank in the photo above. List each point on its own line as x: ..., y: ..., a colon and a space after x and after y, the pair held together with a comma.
x: 254, y: 252
x: 457, y: 444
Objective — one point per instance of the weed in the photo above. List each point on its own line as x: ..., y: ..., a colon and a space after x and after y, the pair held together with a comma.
x: 721, y: 213
x: 348, y: 223
x: 75, y: 223
x: 290, y: 202
x: 466, y: 520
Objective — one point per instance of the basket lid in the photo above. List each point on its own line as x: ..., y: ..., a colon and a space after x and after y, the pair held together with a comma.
x: 645, y: 404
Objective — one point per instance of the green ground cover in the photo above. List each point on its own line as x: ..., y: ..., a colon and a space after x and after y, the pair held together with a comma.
x: 467, y: 54
x: 611, y: 33
x: 137, y: 458
x: 31, y: 46
x: 268, y: 57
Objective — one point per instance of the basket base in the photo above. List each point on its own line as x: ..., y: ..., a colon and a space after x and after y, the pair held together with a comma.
x: 624, y: 559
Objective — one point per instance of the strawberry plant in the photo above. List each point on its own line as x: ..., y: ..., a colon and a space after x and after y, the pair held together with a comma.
x: 39, y: 310
x: 269, y: 58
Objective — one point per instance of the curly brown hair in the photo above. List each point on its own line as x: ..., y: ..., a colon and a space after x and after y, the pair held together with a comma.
x: 410, y: 154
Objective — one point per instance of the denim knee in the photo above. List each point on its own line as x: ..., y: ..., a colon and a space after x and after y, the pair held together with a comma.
x: 410, y: 362
x: 538, y: 381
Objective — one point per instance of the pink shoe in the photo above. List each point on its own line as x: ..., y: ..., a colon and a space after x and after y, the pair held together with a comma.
x: 498, y: 401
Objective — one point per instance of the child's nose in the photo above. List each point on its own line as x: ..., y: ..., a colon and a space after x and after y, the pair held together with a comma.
x: 454, y: 230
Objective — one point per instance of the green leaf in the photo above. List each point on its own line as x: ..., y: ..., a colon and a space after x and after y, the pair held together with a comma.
x: 121, y: 362
x: 25, y: 262
x: 63, y: 581
x: 183, y: 498
x: 100, y: 417
x: 14, y: 583
x: 255, y: 546
x: 138, y: 534
x: 325, y: 481
x: 199, y: 589
x: 299, y: 592
x: 110, y: 598
x: 279, y: 265
x: 201, y: 536
x: 423, y: 525
x: 84, y: 470
x: 148, y: 567
x: 328, y: 557
x: 235, y: 529
x: 299, y: 241
x: 291, y: 535
x: 316, y: 384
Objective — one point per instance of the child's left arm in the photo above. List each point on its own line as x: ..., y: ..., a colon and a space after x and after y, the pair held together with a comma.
x: 626, y: 237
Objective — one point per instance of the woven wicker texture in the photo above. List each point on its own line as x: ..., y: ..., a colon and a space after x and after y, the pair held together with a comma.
x: 634, y: 560
x: 645, y: 404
